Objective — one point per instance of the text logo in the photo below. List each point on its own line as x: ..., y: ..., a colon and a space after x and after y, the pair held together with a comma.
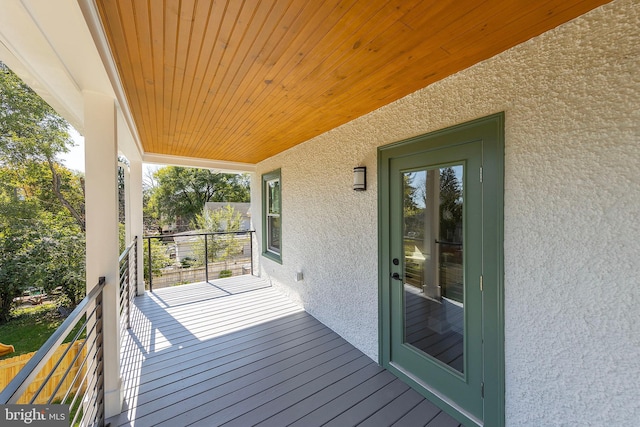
x: 34, y: 415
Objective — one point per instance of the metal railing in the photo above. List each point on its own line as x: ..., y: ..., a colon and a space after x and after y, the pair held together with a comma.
x: 128, y: 272
x: 195, y: 257
x: 85, y: 392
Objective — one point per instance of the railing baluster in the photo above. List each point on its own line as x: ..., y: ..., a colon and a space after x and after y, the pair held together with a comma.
x: 89, y: 307
x: 99, y: 357
x: 213, y: 239
x: 251, y: 249
x: 150, y: 266
x: 206, y: 259
x: 80, y: 381
x: 128, y: 294
x: 135, y: 263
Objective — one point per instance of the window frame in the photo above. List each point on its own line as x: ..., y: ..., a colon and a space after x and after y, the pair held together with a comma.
x: 267, y: 251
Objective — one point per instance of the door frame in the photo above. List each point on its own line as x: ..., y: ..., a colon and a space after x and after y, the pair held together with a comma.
x: 491, y: 130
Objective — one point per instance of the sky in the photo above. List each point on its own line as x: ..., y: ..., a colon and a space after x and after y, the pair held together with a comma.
x: 74, y: 159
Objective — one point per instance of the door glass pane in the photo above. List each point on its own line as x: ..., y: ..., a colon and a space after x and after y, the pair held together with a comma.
x: 433, y: 263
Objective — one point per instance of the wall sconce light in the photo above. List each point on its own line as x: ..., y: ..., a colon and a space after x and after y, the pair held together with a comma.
x: 360, y: 178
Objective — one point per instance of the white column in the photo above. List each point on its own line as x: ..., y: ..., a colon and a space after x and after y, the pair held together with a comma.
x: 136, y: 216
x: 101, y: 208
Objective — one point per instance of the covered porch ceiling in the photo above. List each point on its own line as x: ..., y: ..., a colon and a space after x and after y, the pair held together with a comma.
x: 243, y: 80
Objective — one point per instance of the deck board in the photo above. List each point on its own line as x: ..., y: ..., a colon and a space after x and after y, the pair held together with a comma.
x: 235, y: 352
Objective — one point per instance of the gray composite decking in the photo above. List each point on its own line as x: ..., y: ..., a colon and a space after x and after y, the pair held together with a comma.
x: 235, y: 352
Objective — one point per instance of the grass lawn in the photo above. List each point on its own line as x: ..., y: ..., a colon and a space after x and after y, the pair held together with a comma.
x: 29, y: 328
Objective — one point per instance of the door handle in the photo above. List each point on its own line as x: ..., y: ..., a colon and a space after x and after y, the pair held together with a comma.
x: 396, y: 276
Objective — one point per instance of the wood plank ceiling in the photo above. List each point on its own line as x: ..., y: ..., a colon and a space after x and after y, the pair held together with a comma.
x: 242, y: 80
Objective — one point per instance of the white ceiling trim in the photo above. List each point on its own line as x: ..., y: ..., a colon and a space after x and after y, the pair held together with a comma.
x: 192, y: 162
x: 92, y: 17
x: 29, y: 53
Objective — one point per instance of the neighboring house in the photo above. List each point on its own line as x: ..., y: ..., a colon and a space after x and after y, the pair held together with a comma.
x: 178, y: 226
x: 183, y: 247
x: 244, y: 209
x: 186, y: 244
x: 546, y: 135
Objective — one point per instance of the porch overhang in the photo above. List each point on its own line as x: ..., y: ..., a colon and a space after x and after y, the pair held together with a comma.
x: 238, y: 82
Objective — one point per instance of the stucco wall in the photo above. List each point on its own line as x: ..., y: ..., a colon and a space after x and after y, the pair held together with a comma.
x: 572, y: 204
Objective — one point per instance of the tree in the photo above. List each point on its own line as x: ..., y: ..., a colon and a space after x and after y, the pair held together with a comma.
x: 413, y: 206
x: 19, y: 258
x: 181, y: 193
x: 222, y: 246
x: 39, y: 247
x: 150, y: 215
x: 32, y: 133
x: 159, y: 257
x: 41, y: 201
x: 450, y: 206
x: 63, y: 258
x: 33, y: 180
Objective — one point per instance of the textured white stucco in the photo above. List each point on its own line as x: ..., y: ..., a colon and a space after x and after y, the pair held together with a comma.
x: 571, y: 99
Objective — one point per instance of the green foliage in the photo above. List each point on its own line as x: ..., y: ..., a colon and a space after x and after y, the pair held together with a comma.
x: 38, y: 248
x: 188, y: 262
x: 225, y: 273
x: 20, y: 258
x: 224, y: 219
x: 159, y: 257
x: 32, y: 135
x: 450, y: 205
x: 122, y: 238
x: 41, y: 202
x: 30, y: 128
x: 181, y: 193
x: 29, y: 327
x: 219, y: 247
x: 63, y: 249
x: 410, y: 195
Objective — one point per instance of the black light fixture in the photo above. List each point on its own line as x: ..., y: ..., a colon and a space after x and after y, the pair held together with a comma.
x: 360, y: 178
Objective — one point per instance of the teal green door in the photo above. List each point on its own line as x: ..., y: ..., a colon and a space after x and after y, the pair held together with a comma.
x: 436, y: 232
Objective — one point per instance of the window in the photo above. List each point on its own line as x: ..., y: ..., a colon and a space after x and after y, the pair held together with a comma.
x: 272, y: 216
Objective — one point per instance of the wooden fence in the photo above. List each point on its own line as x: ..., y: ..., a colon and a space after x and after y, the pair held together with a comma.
x: 181, y: 276
x: 9, y: 368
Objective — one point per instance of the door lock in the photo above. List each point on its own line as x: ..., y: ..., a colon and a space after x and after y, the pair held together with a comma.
x: 396, y: 276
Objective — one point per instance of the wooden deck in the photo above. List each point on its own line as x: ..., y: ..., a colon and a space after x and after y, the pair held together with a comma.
x: 235, y: 352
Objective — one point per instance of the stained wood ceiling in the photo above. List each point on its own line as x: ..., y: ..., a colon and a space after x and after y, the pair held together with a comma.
x: 242, y: 80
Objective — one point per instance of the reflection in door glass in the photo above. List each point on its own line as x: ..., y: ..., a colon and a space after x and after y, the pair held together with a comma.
x: 433, y: 264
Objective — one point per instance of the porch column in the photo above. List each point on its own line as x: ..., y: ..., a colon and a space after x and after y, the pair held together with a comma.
x: 431, y: 286
x: 136, y: 216
x: 101, y: 209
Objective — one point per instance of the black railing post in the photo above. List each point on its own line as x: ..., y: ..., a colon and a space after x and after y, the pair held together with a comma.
x: 231, y: 239
x: 100, y: 393
x: 150, y: 269
x: 251, y: 249
x: 206, y: 259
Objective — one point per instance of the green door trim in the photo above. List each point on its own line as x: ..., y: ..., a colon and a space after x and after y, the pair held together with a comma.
x: 491, y: 130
